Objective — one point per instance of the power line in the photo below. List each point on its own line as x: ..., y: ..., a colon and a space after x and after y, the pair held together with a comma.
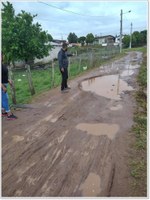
x: 68, y: 10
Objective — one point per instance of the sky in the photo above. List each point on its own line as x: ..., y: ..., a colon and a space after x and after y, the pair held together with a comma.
x: 100, y: 18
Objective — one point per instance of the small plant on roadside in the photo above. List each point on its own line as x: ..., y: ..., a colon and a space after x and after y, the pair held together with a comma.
x: 139, y: 160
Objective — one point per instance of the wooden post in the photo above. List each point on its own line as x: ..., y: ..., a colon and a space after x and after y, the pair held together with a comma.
x: 69, y: 66
x: 12, y: 89
x: 79, y: 63
x: 91, y: 59
x: 31, y: 87
x: 53, y: 75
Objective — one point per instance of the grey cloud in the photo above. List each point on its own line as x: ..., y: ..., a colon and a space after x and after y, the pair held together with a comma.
x: 58, y: 22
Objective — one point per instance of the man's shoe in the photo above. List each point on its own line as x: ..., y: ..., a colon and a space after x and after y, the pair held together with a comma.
x: 4, y: 114
x: 11, y: 117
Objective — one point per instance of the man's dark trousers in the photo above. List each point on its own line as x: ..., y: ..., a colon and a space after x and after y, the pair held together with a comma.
x: 64, y: 78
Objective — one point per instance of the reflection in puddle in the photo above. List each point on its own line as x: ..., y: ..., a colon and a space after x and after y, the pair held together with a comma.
x: 110, y: 130
x: 108, y: 86
x: 91, y: 186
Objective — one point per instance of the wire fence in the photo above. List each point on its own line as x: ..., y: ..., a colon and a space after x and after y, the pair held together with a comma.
x: 28, y: 82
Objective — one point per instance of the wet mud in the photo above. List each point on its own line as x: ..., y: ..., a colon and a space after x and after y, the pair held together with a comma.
x: 75, y: 144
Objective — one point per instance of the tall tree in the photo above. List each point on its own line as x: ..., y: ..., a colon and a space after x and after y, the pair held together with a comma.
x: 33, y: 42
x: 72, y: 38
x: 126, y: 41
x: 21, y: 39
x: 89, y: 38
x: 82, y: 40
x: 136, y: 39
x: 8, y: 35
x: 143, y: 37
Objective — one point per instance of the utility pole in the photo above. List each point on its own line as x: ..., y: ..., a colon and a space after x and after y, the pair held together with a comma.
x: 130, y: 37
x: 121, y: 31
x: 121, y: 28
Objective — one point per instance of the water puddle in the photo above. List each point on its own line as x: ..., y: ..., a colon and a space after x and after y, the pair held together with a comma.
x: 108, y: 86
x: 110, y: 130
x: 91, y: 186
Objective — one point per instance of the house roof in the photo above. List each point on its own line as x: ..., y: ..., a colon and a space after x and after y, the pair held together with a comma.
x: 105, y: 36
x: 58, y: 41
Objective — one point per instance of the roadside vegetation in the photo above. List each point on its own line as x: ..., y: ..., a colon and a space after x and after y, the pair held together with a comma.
x: 139, y: 157
x: 85, y: 59
x: 45, y: 78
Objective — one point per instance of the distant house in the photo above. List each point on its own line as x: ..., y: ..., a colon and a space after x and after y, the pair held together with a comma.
x: 74, y: 45
x: 117, y: 41
x: 57, y: 43
x: 107, y: 40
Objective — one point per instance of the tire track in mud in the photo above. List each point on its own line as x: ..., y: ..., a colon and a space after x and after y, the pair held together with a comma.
x: 51, y: 157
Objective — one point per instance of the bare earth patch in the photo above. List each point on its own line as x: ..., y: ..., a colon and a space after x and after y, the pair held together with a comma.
x: 73, y: 144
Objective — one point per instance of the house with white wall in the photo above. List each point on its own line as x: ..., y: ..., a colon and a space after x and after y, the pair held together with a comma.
x: 107, y: 40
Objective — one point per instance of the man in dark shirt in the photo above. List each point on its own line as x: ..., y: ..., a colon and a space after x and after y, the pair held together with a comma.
x: 5, y: 104
x: 63, y: 66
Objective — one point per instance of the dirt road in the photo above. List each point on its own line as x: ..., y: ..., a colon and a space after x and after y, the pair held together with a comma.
x: 74, y: 144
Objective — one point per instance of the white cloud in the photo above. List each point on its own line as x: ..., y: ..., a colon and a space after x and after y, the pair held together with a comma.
x: 60, y: 23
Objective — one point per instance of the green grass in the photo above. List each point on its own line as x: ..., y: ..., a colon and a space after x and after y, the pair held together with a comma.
x: 142, y: 49
x: 139, y: 160
x: 41, y: 82
x: 42, y: 79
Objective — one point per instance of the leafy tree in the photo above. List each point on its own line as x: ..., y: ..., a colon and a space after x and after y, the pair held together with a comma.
x: 126, y: 41
x: 21, y: 39
x: 82, y: 40
x: 143, y: 37
x: 33, y: 42
x: 72, y: 38
x: 89, y: 38
x: 8, y: 36
x: 138, y: 39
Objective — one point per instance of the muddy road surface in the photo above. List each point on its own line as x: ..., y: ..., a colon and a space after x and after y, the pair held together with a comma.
x: 74, y: 144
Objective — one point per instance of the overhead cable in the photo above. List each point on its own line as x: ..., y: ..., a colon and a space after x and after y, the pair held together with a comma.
x: 68, y: 10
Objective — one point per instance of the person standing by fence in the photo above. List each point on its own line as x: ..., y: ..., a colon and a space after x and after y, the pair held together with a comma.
x: 63, y: 66
x: 4, y: 83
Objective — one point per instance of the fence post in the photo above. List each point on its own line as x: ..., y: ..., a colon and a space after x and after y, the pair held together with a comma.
x: 69, y: 61
x: 53, y: 75
x: 31, y: 87
x: 12, y: 89
x: 79, y: 63
x: 91, y: 59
